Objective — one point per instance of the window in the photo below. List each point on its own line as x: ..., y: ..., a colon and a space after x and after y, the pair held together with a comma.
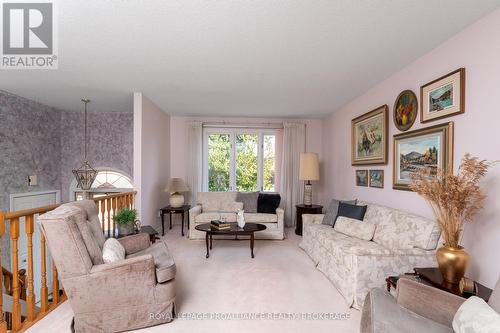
x: 106, y: 182
x: 239, y: 160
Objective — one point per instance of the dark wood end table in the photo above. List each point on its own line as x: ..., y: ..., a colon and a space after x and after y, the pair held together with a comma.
x: 431, y: 276
x: 184, y: 210
x: 146, y: 229
x: 304, y: 209
x: 248, y: 230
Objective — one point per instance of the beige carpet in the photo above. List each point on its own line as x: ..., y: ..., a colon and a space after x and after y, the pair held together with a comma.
x: 281, y: 281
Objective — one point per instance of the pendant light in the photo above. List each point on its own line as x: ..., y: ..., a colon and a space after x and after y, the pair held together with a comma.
x: 85, y: 175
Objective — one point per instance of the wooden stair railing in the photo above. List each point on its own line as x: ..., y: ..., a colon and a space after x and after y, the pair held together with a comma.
x: 21, y: 286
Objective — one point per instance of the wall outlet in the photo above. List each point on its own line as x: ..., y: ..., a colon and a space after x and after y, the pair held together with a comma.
x: 32, y: 180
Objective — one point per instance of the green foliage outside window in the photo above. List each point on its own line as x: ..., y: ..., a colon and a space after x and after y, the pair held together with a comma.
x: 219, y: 160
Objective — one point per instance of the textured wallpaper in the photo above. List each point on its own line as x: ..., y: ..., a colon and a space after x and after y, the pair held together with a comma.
x: 30, y: 144
x: 110, y: 143
x: 39, y: 140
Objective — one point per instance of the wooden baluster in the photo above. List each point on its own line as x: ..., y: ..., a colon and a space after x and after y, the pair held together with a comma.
x: 44, y: 292
x: 55, y: 285
x: 115, y: 201
x: 3, y: 324
x: 22, y: 283
x: 103, y: 211
x: 30, y: 301
x: 108, y: 207
x: 16, y: 305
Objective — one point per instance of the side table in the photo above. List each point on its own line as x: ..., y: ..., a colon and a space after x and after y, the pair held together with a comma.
x: 177, y: 210
x: 303, y: 209
x: 146, y: 229
x: 431, y: 276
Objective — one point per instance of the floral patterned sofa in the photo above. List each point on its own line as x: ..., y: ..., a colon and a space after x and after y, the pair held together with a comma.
x: 401, y: 242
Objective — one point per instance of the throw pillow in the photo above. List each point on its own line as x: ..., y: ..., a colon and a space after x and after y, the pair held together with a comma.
x: 249, y: 200
x: 332, y: 210
x: 267, y: 203
x: 355, y: 228
x: 352, y: 211
x: 90, y: 243
x: 475, y: 316
x: 231, y: 207
x: 112, y: 251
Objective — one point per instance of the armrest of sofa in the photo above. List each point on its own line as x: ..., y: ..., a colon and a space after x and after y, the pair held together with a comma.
x: 127, y: 281
x: 135, y: 243
x: 280, y: 212
x: 426, y: 301
x: 312, y: 218
x: 193, y: 212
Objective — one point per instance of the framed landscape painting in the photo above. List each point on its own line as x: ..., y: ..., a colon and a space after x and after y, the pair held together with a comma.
x: 369, y: 137
x: 429, y: 148
x: 443, y: 97
x: 376, y: 178
x: 361, y: 177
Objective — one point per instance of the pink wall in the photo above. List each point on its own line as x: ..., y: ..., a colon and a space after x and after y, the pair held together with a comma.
x: 477, y: 48
x: 151, y: 158
x: 179, y: 151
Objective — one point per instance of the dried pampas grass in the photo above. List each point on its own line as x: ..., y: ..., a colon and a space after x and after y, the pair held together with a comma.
x: 455, y: 199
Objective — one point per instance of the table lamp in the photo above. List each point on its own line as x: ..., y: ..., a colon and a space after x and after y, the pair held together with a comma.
x: 309, y: 170
x: 175, y: 187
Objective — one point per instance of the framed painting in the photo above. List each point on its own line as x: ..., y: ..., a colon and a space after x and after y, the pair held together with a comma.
x: 369, y: 142
x: 430, y: 148
x: 443, y: 97
x: 376, y: 178
x: 405, y: 110
x: 362, y: 178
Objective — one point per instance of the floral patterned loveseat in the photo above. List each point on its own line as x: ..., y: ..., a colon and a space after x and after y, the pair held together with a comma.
x: 401, y: 242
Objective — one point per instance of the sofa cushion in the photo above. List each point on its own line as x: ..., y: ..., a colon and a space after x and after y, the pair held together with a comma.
x: 228, y: 217
x: 260, y: 218
x: 341, y: 247
x: 267, y: 203
x: 215, y: 201
x: 93, y: 248
x: 207, y: 217
x: 249, y: 200
x: 92, y: 217
x: 231, y: 207
x: 164, y: 264
x: 476, y: 316
x: 333, y: 209
x: 402, y: 230
x: 112, y: 251
x: 355, y: 228
x: 352, y: 211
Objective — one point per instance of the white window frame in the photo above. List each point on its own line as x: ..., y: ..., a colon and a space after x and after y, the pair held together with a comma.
x: 232, y: 132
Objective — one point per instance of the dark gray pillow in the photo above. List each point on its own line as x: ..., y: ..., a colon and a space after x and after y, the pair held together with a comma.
x: 249, y: 200
x: 332, y: 210
x: 352, y: 211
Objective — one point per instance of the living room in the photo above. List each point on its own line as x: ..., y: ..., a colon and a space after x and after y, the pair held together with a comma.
x: 250, y: 165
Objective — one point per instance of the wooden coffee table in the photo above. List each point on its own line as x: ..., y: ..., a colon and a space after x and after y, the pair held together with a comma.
x: 248, y: 230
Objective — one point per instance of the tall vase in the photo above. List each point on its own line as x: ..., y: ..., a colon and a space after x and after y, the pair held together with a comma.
x: 452, y: 262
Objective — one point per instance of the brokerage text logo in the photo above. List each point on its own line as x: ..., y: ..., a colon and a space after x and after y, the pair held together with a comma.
x: 28, y: 36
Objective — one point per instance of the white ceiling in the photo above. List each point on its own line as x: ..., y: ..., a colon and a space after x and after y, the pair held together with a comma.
x: 285, y: 58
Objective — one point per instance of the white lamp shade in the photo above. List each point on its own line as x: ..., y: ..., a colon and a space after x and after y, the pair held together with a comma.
x: 176, y: 185
x: 309, y: 166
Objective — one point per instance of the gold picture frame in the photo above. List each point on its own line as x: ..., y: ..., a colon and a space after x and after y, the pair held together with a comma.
x: 369, y: 137
x: 376, y: 178
x: 430, y: 147
x: 362, y: 178
x: 443, y: 97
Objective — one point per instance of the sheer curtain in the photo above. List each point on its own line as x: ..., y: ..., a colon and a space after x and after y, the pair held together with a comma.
x: 294, y: 143
x: 195, y: 151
